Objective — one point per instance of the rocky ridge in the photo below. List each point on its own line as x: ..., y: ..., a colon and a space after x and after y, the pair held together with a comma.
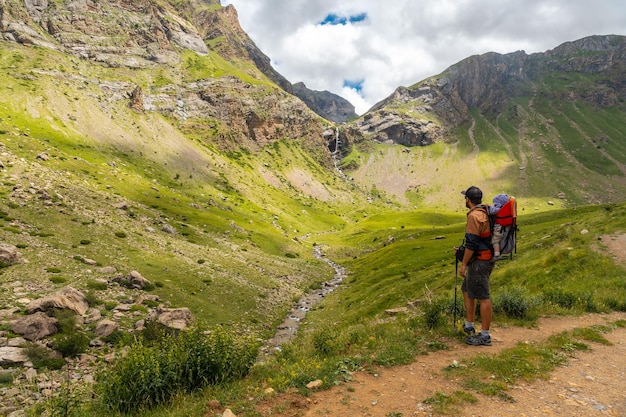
x: 489, y: 82
x: 153, y: 34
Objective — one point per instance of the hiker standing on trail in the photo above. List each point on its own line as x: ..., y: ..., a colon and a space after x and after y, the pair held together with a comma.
x: 476, y: 268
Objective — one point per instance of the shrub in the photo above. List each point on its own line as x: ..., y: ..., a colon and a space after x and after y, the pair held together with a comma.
x: 6, y: 378
x: 66, y: 320
x: 560, y: 297
x: 434, y: 312
x: 152, y: 374
x: 110, y: 305
x: 97, y: 285
x: 513, y: 303
x: 324, y: 342
x: 70, y: 345
x: 92, y: 299
x: 56, y: 279
x: 118, y: 338
x: 41, y: 358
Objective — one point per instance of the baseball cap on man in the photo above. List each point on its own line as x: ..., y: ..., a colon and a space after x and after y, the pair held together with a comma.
x: 474, y: 194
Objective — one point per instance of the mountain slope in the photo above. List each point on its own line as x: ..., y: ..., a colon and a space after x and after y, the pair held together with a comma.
x: 544, y: 126
x: 153, y: 137
x: 127, y: 141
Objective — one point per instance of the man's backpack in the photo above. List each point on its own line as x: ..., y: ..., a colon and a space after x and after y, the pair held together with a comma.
x: 506, y: 218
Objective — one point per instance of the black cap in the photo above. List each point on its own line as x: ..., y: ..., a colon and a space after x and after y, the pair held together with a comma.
x: 474, y: 194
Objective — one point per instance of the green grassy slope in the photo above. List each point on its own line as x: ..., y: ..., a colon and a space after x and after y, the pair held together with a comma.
x: 547, y: 145
x: 72, y: 157
x: 561, y: 267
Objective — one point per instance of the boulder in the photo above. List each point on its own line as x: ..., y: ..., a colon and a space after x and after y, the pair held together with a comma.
x: 66, y: 298
x: 105, y: 327
x: 8, y: 255
x: 174, y: 318
x: 136, y: 280
x: 35, y: 326
x: 12, y: 355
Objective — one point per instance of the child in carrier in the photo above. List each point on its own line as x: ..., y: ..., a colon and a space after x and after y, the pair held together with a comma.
x: 498, y: 201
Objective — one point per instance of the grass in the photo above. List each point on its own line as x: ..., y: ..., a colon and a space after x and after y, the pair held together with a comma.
x: 246, y: 220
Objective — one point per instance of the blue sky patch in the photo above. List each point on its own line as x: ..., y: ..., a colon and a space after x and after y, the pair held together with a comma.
x: 354, y: 84
x: 335, y: 19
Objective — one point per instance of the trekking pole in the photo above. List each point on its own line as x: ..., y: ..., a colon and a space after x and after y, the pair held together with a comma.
x: 456, y: 274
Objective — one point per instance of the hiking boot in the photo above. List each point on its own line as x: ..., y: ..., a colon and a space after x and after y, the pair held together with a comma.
x: 470, y: 331
x: 479, y: 340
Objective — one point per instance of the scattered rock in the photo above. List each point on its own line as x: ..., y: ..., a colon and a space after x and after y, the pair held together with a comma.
x: 35, y: 326
x: 167, y: 228
x: 174, y: 318
x: 93, y: 316
x: 88, y: 261
x: 66, y: 298
x: 133, y: 280
x: 314, y: 384
x: 8, y: 255
x: 122, y: 206
x: 396, y: 311
x: 12, y: 356
x: 105, y: 328
x: 136, y: 280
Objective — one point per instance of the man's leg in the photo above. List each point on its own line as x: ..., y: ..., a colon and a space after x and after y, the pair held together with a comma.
x: 470, y: 307
x: 486, y: 311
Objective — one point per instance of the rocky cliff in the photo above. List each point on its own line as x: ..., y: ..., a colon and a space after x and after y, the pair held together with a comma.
x: 194, y: 50
x: 328, y: 105
x: 491, y: 81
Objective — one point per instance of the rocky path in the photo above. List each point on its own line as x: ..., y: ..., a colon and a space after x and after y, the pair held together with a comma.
x: 592, y: 383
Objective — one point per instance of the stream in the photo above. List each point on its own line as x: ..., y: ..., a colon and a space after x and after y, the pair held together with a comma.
x: 288, y: 329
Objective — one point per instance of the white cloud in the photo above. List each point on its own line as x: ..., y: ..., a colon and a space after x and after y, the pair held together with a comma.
x: 405, y: 41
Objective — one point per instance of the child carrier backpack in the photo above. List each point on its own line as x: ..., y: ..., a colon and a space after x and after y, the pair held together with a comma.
x: 506, y: 218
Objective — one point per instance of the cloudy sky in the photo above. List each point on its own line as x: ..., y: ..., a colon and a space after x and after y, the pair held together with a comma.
x: 363, y: 50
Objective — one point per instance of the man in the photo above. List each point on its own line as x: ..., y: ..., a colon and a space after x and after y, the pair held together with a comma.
x: 476, y: 268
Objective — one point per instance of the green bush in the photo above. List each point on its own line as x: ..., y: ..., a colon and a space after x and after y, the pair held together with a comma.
x: 118, y: 338
x: 435, y: 312
x: 560, y: 297
x: 513, y: 303
x: 6, y: 378
x: 41, y: 358
x: 324, y: 342
x: 70, y: 345
x: 92, y: 299
x: 57, y: 279
x: 97, y: 285
x: 152, y: 374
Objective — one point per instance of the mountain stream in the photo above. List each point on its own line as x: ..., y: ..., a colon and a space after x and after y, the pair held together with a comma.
x: 288, y: 329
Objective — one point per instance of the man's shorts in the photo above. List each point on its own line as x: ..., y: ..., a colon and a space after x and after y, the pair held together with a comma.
x: 476, y: 282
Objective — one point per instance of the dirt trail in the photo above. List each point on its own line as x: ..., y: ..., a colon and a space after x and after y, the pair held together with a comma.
x: 592, y: 383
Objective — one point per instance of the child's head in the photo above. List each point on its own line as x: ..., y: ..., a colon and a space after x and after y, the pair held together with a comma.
x: 500, y: 200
